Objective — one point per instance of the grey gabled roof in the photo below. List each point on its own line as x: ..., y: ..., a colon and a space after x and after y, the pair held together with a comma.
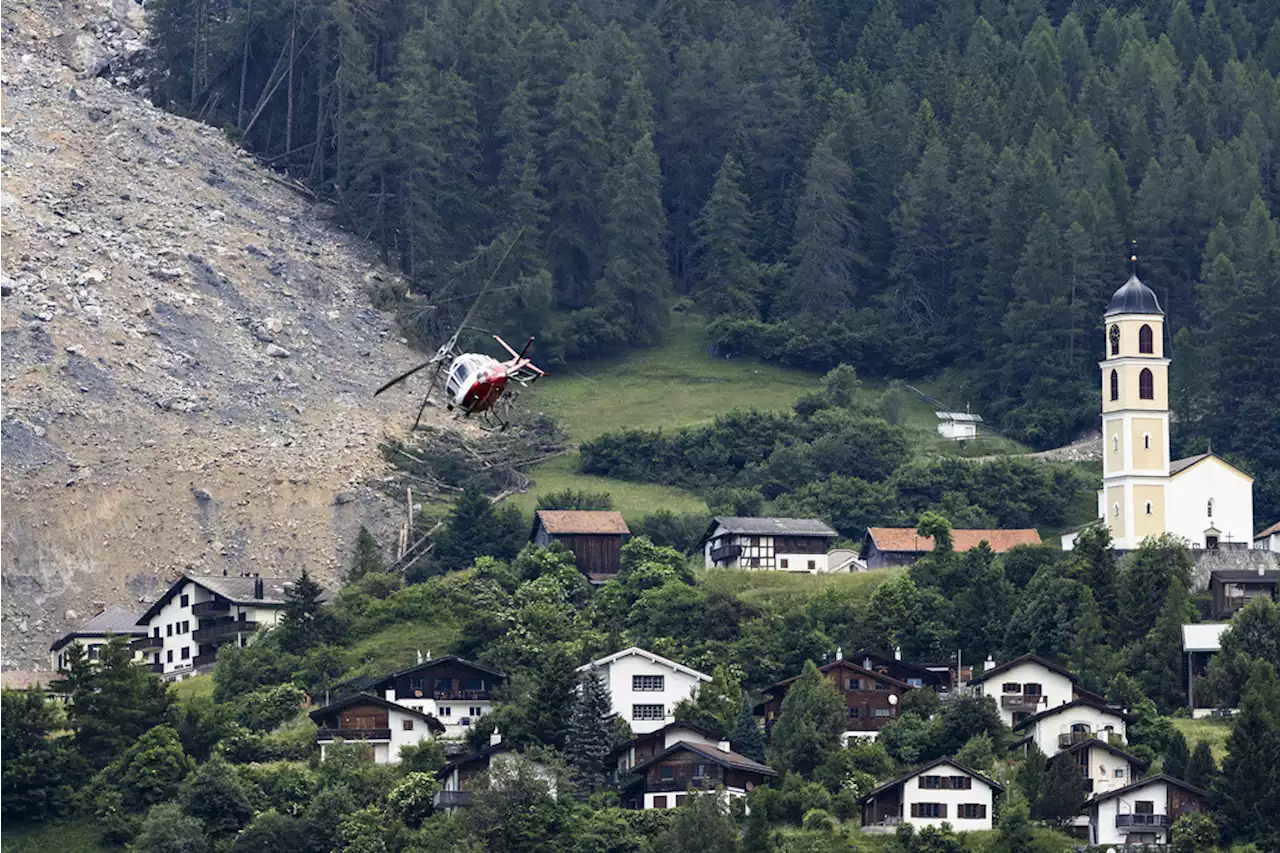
x: 995, y: 786
x: 1267, y: 576
x: 748, y: 526
x: 237, y: 589
x: 718, y: 756
x: 1142, y: 783
x: 113, y: 620
x: 318, y: 715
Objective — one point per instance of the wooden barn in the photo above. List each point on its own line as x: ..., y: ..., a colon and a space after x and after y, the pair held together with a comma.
x: 594, y: 536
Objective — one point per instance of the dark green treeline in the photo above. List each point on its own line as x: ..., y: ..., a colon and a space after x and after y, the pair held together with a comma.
x: 910, y: 187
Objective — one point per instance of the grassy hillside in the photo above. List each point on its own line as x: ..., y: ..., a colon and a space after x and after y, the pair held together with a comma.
x: 1215, y: 732
x: 679, y: 384
x: 79, y: 836
x: 785, y: 589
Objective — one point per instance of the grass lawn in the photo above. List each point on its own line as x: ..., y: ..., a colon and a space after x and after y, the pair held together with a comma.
x: 397, y: 646
x: 196, y: 687
x: 80, y: 836
x: 785, y: 589
x: 1215, y: 732
x: 633, y: 500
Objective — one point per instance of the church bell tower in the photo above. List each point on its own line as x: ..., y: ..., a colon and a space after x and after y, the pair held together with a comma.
x: 1135, y: 416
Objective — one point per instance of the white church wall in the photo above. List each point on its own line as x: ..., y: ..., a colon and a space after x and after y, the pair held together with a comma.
x: 1232, y: 495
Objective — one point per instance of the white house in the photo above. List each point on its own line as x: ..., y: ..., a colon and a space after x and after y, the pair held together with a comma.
x: 1202, y: 498
x: 1104, y: 766
x: 1026, y: 686
x: 767, y: 544
x: 1200, y: 643
x: 1142, y: 812
x: 384, y: 726
x: 197, y: 614
x: 113, y: 621
x: 456, y: 691
x: 940, y: 792
x: 958, y: 426
x: 644, y: 687
x: 1269, y: 539
x: 1077, y: 721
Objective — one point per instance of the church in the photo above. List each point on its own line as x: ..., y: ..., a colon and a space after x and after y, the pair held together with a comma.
x: 1203, y: 499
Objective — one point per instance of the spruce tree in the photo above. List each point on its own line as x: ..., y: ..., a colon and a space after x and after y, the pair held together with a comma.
x: 303, y: 624
x: 810, y: 723
x: 824, y: 256
x: 1247, y: 795
x: 1159, y: 657
x: 636, y: 281
x: 746, y: 738
x: 112, y: 702
x: 367, y: 557
x: 1176, y: 756
x: 577, y: 156
x: 1202, y: 770
x: 588, y: 739
x: 728, y: 281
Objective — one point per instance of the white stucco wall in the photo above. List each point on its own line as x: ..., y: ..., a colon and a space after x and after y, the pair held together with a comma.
x: 59, y: 659
x: 1103, y: 767
x: 676, y: 686
x: 980, y: 793
x: 1189, y: 494
x: 457, y: 715
x: 1104, y: 827
x: 726, y: 794
x: 795, y: 562
x: 1045, y: 732
x: 174, y: 613
x: 1268, y: 543
x: 1056, y: 688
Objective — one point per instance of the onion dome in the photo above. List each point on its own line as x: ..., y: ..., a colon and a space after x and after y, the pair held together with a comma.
x: 1134, y: 298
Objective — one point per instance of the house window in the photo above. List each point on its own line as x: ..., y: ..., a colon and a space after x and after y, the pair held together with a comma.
x: 660, y: 802
x: 168, y: 656
x: 854, y: 713
x: 884, y: 712
x: 155, y: 632
x: 785, y: 563
x: 1146, y: 385
x: 1144, y: 807
x: 186, y: 652
x: 94, y: 652
x: 415, y: 683
x: 1146, y: 345
x: 648, y: 683
x: 1146, y: 441
x: 473, y: 684
x: 880, y: 685
x: 184, y: 601
x: 476, y: 711
x: 972, y: 811
x: 168, y: 630
x: 1115, y: 444
x: 680, y: 798
x: 855, y: 684
x: 668, y: 772
x: 938, y: 810
x: 156, y: 658
x: 647, y: 712
x: 443, y: 684
x: 446, y: 711
x: 186, y: 626
x: 1115, y: 510
x: 1209, y: 507
x: 1115, y: 385
x: 1115, y: 340
x: 1032, y: 689
x: 701, y: 771
x: 1011, y: 687
x: 915, y: 682
x: 813, y: 564
x: 408, y: 725
x: 1119, y: 772
x: 930, y: 782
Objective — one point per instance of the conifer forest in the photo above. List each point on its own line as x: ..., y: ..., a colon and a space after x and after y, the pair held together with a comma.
x: 913, y: 188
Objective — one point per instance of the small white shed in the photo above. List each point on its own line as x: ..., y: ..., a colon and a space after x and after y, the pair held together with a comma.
x: 958, y: 426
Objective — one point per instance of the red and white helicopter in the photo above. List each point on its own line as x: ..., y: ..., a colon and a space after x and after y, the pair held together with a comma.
x: 475, y: 383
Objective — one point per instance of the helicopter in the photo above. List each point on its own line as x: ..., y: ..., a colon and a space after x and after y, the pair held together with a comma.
x: 475, y: 383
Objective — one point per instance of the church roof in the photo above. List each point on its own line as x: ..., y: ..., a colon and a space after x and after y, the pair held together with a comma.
x: 1177, y: 466
x: 1134, y: 297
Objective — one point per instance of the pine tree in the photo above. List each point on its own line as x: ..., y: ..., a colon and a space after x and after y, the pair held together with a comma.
x: 636, y: 281
x: 367, y: 557
x: 1177, y: 756
x: 1247, y: 796
x: 746, y: 738
x: 728, y: 280
x: 824, y: 255
x: 1202, y: 770
x: 810, y: 723
x: 1090, y: 652
x: 577, y: 156
x: 112, y: 702
x: 921, y: 267
x: 632, y: 120
x: 303, y: 624
x: 1159, y: 657
x: 588, y: 740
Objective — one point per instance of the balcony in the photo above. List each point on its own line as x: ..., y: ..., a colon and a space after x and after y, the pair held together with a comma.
x: 680, y: 785
x: 224, y: 631
x: 1067, y: 739
x: 353, y: 734
x: 143, y: 643
x: 210, y: 608
x: 452, y: 799
x: 157, y: 668
x: 725, y: 553
x: 476, y: 695
x: 205, y: 660
x: 1021, y: 702
x: 1142, y: 820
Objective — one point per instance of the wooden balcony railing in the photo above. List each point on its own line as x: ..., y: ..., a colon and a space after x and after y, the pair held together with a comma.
x: 1067, y: 739
x: 677, y: 785
x: 1142, y: 820
x: 725, y: 553
x: 1022, y: 702
x: 210, y: 608
x: 224, y: 631
x: 143, y: 643
x: 452, y: 799
x: 354, y: 734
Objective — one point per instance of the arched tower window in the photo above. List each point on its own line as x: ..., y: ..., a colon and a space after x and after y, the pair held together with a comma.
x: 1115, y: 340
x: 1115, y: 385
x: 1210, y: 507
x: 1145, y: 344
x: 1146, y: 385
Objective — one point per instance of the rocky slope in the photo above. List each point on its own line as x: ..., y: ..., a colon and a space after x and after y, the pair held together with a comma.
x: 188, y: 346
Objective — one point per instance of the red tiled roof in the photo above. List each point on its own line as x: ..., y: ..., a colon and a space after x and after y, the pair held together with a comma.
x: 906, y: 539
x: 582, y: 521
x: 1275, y: 528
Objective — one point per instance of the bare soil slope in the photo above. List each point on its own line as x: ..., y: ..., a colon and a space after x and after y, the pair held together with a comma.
x: 188, y: 349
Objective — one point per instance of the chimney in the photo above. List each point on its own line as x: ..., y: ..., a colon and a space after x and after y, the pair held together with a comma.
x: 258, y: 590
x: 495, y: 738
x: 389, y: 694
x: 419, y: 655
x: 428, y: 654
x: 897, y: 652
x: 866, y: 663
x: 724, y: 746
x: 989, y: 664
x: 839, y: 653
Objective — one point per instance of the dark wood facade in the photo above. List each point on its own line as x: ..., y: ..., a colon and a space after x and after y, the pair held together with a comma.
x: 684, y: 767
x: 871, y: 699
x: 1232, y: 590
x: 444, y: 678
x: 908, y: 673
x: 594, y: 553
x: 594, y: 537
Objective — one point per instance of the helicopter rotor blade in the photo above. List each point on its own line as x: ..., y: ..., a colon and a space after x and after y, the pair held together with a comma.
x: 403, y: 376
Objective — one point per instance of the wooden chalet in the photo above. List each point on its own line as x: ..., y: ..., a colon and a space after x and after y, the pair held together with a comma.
x: 902, y: 546
x: 936, y: 678
x: 666, y: 779
x: 645, y: 746
x: 455, y: 690
x: 594, y: 536
x: 458, y: 777
x: 383, y: 726
x: 1232, y: 589
x: 871, y: 698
